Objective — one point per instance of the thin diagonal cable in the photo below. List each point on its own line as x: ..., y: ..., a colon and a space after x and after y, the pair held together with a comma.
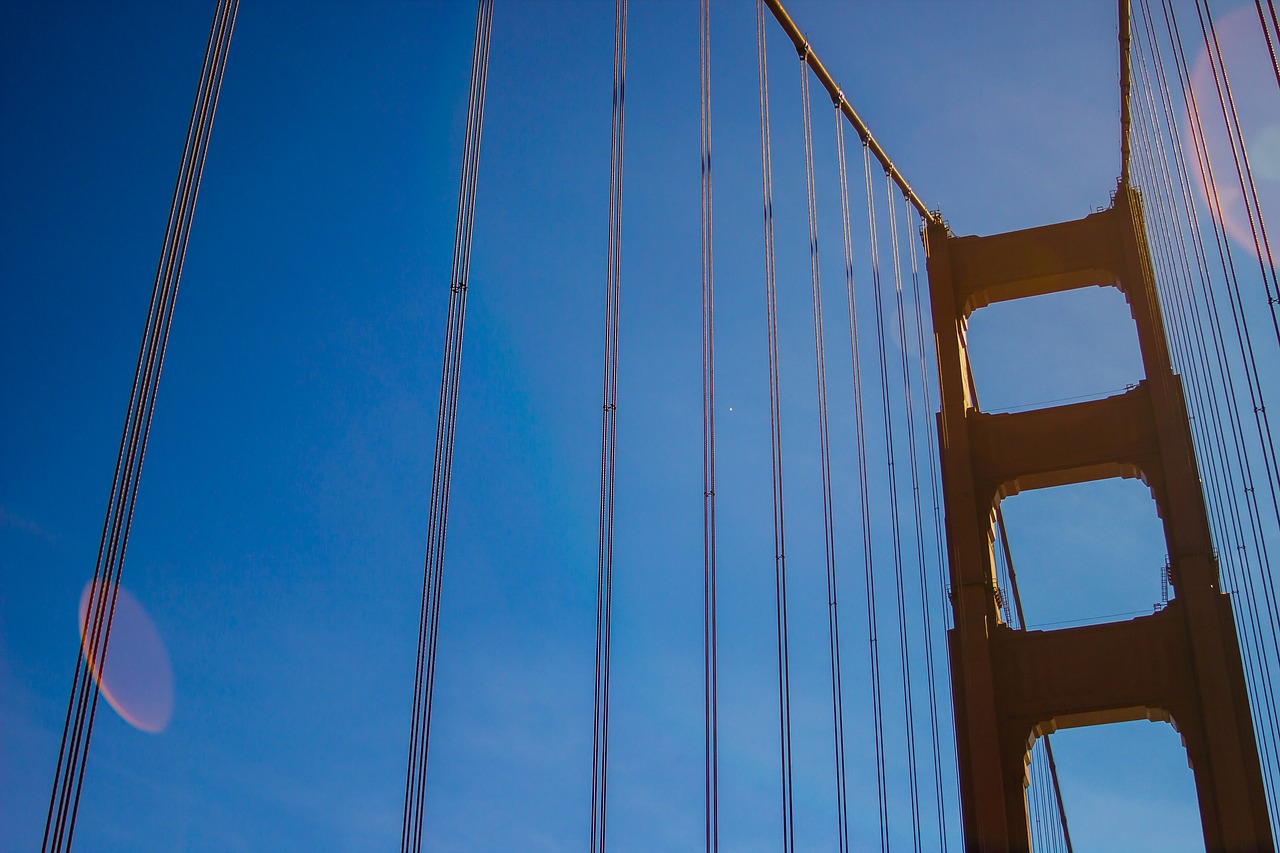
x: 97, y: 621
x: 1242, y: 451
x: 775, y: 431
x: 863, y: 487
x: 411, y: 833
x: 608, y: 442
x: 78, y: 728
x: 1186, y: 210
x: 824, y: 446
x: 1226, y: 515
x: 711, y: 745
x: 1168, y: 222
x: 1222, y: 245
x: 1240, y: 320
x: 1243, y: 336
x: 1240, y: 159
x: 1266, y: 31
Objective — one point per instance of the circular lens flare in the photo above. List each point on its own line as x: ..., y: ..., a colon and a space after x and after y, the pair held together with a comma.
x: 1257, y: 103
x: 134, y: 675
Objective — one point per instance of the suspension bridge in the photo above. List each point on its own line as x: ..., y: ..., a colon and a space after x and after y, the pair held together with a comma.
x: 902, y: 694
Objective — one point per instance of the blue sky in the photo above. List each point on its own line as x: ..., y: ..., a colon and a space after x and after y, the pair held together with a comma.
x: 279, y: 534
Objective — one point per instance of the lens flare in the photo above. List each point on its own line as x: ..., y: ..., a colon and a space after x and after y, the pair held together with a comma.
x: 135, y: 676
x: 1257, y: 103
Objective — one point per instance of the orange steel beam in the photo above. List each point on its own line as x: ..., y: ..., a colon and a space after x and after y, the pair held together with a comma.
x: 1182, y: 664
x: 837, y: 97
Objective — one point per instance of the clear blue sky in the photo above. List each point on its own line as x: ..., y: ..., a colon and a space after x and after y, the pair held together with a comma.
x: 279, y: 534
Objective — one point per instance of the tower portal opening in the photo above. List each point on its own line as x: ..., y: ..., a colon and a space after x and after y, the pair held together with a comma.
x: 1125, y: 787
x: 1053, y: 349
x: 1085, y: 553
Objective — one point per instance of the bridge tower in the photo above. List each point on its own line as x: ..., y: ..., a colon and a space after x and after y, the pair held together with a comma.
x: 1181, y: 664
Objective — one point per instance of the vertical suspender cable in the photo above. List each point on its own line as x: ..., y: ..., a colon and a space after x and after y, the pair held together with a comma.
x: 926, y: 612
x: 608, y: 442
x: 874, y: 238
x: 863, y: 488
x: 921, y: 559
x: 824, y: 445
x: 775, y: 425
x: 711, y: 745
x: 97, y: 621
x: 411, y: 831
x: 904, y: 645
x: 931, y: 452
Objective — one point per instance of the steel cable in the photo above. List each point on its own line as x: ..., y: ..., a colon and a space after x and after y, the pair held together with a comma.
x: 1266, y: 32
x: 921, y: 558
x: 1240, y: 159
x: 1261, y: 423
x: 608, y: 443
x: 1243, y: 337
x: 411, y: 833
x: 775, y: 426
x: 97, y: 620
x: 824, y: 447
x: 896, y: 536
x: 711, y: 745
x: 1168, y: 221
x: 864, y: 505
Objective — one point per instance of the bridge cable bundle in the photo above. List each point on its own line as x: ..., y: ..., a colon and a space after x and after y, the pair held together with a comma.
x: 925, y: 556
x: 775, y: 426
x: 1175, y: 161
x: 904, y: 646
x: 914, y: 468
x: 824, y: 447
x: 1267, y: 28
x: 1230, y: 469
x: 608, y: 443
x: 96, y: 622
x: 935, y: 494
x: 1240, y: 160
x: 411, y: 832
x: 711, y: 747
x: 864, y: 502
